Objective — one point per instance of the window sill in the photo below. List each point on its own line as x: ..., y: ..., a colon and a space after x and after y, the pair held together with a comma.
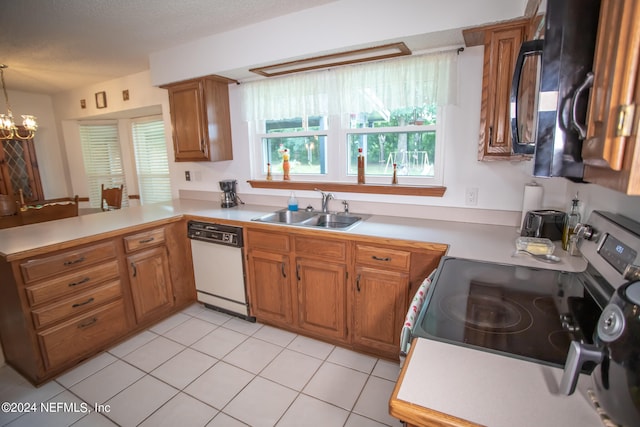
x: 398, y: 190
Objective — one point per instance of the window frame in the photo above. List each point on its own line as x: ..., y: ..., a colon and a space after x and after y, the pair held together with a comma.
x: 337, y: 152
x: 134, y: 150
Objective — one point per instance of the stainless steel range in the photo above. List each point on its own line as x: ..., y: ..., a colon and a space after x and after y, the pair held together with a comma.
x: 552, y: 317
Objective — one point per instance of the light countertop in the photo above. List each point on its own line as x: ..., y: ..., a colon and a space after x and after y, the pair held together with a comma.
x: 465, y: 240
x: 488, y: 389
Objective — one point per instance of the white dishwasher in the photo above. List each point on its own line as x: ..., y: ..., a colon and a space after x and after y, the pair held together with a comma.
x: 218, y: 267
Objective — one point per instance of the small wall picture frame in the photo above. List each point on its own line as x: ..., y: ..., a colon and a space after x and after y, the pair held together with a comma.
x: 125, y: 95
x: 101, y: 100
x: 83, y: 103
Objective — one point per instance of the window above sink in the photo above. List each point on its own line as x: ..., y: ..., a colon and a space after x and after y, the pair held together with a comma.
x: 394, y: 110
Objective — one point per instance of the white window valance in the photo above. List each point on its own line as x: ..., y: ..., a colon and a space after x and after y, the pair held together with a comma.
x: 399, y: 83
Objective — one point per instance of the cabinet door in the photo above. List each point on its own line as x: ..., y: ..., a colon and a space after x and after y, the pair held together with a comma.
x: 322, y: 294
x: 270, y: 286
x: 19, y: 170
x: 150, y: 280
x: 380, y: 300
x: 610, y: 151
x: 500, y: 53
x: 189, y: 122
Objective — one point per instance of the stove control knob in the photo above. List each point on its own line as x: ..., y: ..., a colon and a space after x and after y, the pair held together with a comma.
x: 584, y: 231
x: 611, y: 323
x: 632, y: 273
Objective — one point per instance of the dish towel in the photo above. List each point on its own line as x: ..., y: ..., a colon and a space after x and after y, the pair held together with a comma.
x: 410, y: 318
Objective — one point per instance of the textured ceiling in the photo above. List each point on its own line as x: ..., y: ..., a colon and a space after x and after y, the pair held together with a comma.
x: 52, y: 46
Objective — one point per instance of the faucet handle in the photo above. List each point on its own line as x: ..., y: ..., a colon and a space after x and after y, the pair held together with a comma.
x: 346, y: 206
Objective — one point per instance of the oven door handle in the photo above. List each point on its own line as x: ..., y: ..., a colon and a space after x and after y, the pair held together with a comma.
x: 409, y: 321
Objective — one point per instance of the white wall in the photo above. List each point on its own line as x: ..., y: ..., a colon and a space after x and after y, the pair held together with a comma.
x: 333, y: 26
x: 144, y: 100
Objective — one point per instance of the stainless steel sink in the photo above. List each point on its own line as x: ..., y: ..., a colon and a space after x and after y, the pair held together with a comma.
x: 338, y: 220
x: 333, y: 220
x: 286, y: 217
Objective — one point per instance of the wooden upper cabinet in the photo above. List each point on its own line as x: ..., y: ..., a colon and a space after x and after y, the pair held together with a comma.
x: 611, y: 151
x: 200, y: 119
x: 501, y: 46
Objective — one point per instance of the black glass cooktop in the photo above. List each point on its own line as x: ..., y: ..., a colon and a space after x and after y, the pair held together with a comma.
x: 517, y: 311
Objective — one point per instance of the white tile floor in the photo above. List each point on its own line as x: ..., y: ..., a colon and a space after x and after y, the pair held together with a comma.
x: 203, y: 368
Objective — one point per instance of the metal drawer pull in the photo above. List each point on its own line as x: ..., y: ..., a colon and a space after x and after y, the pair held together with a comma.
x: 74, y: 261
x: 85, y: 280
x: 358, y: 283
x: 149, y: 240
x: 80, y: 304
x: 135, y: 270
x: 88, y: 323
x: 283, y: 272
x: 381, y: 259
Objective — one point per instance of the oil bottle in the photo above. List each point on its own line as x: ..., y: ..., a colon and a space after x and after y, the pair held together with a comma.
x: 360, y: 166
x: 286, y: 167
x: 570, y: 223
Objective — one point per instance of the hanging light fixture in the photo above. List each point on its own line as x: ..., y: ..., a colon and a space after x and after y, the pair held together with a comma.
x: 8, y: 128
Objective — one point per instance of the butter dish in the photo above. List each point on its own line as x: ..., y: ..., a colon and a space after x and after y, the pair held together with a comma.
x: 535, y: 245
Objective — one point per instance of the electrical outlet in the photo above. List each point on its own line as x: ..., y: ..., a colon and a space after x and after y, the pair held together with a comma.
x: 187, y: 175
x: 471, y: 196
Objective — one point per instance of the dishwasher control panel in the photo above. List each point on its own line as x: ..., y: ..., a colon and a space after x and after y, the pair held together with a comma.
x: 215, y: 233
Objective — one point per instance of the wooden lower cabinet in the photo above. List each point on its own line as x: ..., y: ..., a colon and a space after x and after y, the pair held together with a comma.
x: 350, y: 293
x: 150, y: 281
x: 62, y: 306
x: 322, y: 298
x: 270, y: 287
x: 380, y: 305
x: 81, y: 335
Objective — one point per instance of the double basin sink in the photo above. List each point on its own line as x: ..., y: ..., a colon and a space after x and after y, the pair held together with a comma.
x: 339, y: 220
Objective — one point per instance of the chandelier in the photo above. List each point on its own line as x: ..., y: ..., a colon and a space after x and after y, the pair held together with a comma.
x: 8, y: 128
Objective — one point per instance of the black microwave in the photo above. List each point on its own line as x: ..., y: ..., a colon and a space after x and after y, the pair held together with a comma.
x: 549, y: 91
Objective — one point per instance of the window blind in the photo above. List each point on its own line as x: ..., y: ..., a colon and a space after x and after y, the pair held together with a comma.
x: 152, y: 162
x: 102, y: 160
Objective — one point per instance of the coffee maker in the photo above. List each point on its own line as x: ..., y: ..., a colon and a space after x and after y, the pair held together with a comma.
x: 229, y: 198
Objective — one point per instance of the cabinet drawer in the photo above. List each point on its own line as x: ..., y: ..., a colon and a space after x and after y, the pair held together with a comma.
x: 270, y: 241
x: 143, y: 240
x: 35, y: 269
x: 83, y: 334
x: 69, y: 284
x: 382, y: 257
x: 77, y: 304
x: 321, y: 248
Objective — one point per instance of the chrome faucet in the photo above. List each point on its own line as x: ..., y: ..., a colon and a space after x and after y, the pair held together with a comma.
x: 325, y: 200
